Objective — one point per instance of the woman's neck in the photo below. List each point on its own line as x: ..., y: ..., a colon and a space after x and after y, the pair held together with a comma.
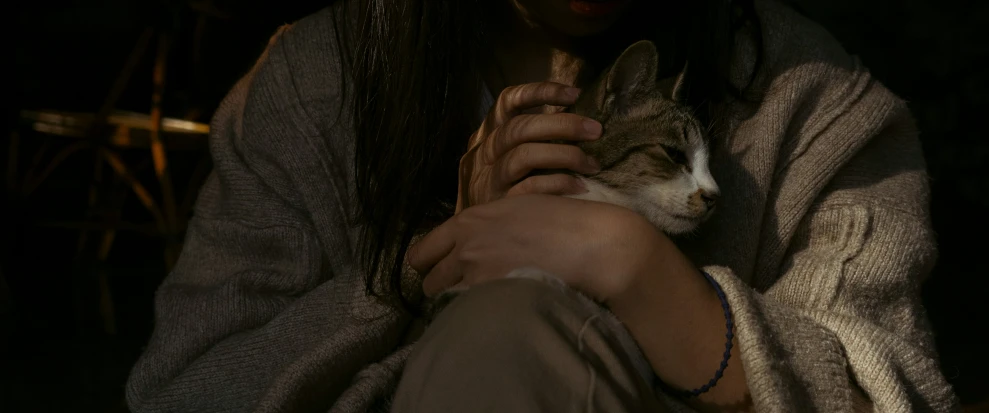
x: 522, y: 51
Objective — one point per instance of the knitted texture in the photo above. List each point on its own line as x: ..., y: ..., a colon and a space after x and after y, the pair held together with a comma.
x: 820, y: 243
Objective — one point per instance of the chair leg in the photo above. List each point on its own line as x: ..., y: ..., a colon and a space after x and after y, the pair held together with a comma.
x: 106, y: 298
x: 111, y: 221
x: 97, y: 199
x: 80, y: 258
x: 160, y: 157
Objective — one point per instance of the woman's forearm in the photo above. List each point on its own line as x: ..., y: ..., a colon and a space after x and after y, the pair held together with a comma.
x: 675, y: 316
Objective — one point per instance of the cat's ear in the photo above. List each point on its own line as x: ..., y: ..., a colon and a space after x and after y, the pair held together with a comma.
x: 633, y: 74
x: 675, y: 88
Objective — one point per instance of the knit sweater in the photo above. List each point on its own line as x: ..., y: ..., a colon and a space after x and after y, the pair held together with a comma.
x: 821, y: 242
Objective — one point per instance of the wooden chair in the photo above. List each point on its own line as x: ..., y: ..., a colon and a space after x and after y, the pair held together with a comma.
x: 105, y: 135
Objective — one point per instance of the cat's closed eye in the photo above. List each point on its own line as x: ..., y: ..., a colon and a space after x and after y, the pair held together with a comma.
x: 675, y: 154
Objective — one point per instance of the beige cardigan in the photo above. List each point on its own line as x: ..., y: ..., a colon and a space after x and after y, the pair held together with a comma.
x: 821, y: 244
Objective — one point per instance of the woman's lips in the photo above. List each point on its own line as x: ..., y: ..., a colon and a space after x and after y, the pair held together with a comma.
x: 595, y: 8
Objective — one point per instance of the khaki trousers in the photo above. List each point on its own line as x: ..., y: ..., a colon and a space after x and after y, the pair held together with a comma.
x: 520, y: 345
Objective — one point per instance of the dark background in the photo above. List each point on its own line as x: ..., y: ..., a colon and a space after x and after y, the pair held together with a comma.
x: 56, y: 355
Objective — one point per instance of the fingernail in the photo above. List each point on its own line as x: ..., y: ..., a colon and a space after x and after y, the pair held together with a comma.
x: 573, y: 92
x: 593, y: 128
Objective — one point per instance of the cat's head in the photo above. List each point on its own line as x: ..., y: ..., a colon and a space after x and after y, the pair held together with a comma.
x: 653, y: 150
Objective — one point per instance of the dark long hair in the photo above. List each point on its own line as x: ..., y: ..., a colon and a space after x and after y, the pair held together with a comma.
x: 415, y: 97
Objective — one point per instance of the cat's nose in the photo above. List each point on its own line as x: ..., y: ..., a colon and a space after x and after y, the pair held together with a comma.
x: 709, y: 198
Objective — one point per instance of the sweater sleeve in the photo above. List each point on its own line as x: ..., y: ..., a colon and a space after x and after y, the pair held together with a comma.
x: 260, y: 313
x: 845, y: 310
x: 831, y: 310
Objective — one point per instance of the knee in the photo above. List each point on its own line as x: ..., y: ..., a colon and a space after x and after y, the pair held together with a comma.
x: 508, y: 343
x: 510, y: 312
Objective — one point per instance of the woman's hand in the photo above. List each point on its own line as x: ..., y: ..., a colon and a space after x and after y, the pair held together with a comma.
x: 607, y: 252
x: 594, y: 247
x: 509, y: 145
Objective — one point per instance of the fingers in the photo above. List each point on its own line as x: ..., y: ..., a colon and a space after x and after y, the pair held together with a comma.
x: 539, y: 128
x: 525, y: 158
x: 444, y: 275
x: 433, y: 247
x: 452, y: 273
x: 515, y: 99
x: 505, y: 129
x: 557, y: 184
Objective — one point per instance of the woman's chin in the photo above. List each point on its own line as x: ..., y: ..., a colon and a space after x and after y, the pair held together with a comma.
x: 579, y: 18
x: 598, y: 9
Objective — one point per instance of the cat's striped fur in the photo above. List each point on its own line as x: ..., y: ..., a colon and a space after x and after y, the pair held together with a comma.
x: 653, y: 151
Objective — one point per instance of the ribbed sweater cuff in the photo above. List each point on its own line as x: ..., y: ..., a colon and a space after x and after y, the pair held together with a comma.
x: 790, y: 361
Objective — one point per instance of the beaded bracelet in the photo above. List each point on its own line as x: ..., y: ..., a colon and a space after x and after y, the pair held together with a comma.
x: 730, y: 325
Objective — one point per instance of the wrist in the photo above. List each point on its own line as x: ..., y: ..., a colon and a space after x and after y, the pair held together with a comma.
x: 652, y: 268
x: 677, y: 318
x: 662, y: 279
x: 629, y: 250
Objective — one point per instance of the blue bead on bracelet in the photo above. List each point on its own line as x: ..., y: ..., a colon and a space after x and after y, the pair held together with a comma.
x: 730, y: 335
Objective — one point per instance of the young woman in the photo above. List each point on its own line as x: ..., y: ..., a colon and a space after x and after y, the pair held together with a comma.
x: 348, y: 138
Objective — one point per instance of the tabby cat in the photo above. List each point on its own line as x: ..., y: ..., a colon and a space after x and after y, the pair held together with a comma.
x: 654, y: 160
x: 653, y: 151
